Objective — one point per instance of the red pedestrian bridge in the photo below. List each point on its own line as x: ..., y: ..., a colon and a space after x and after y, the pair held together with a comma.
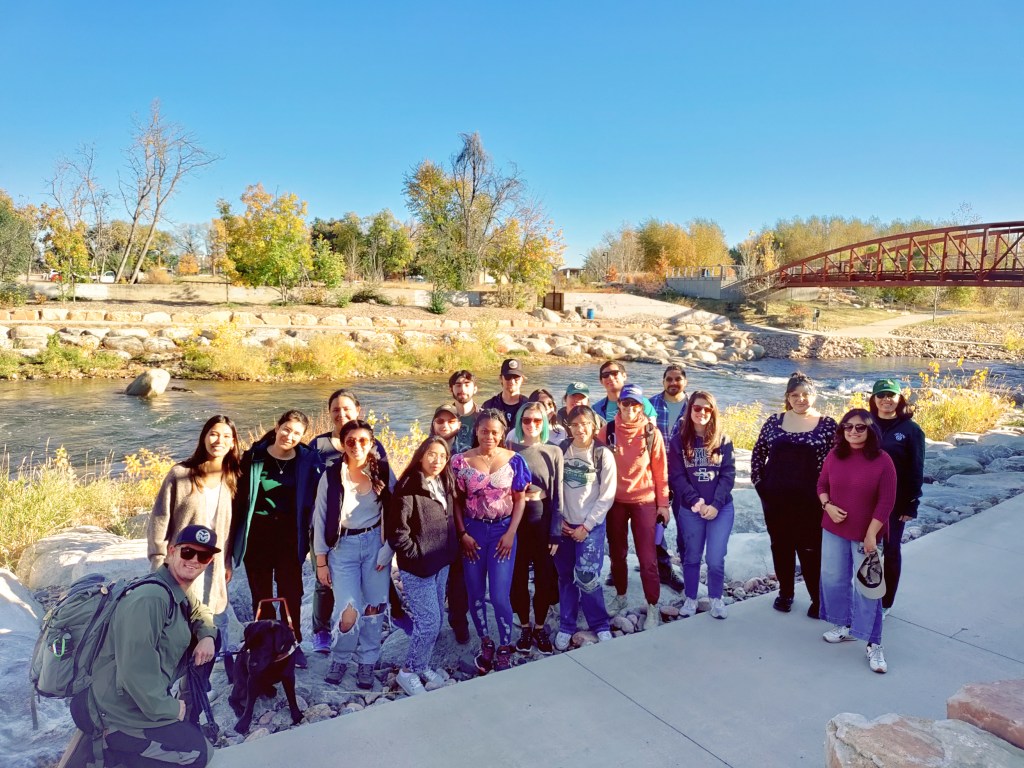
x: 989, y: 255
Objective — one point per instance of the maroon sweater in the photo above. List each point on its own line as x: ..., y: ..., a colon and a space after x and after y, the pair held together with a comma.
x: 865, y: 489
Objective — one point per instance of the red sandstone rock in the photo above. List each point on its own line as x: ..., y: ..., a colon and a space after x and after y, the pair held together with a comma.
x: 895, y: 741
x: 994, y: 707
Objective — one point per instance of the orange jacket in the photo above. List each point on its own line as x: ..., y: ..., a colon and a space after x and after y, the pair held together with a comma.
x: 642, y: 476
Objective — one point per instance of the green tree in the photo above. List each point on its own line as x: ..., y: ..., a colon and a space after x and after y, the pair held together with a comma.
x: 387, y: 247
x: 665, y: 245
x: 64, y: 244
x: 710, y: 249
x: 269, y: 243
x: 16, y: 247
x: 523, y: 260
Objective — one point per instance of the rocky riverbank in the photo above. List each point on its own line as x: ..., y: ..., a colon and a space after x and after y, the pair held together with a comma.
x: 963, y: 477
x: 948, y: 347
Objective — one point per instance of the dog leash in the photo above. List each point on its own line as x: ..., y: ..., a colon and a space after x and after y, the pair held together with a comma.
x: 198, y: 700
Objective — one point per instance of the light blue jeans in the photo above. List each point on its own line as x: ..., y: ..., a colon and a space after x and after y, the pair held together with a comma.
x: 359, y: 585
x: 426, y: 601
x: 579, y: 582
x: 489, y: 576
x: 841, y: 602
x: 699, y: 534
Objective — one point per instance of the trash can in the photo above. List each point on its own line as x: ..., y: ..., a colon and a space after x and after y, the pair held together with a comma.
x: 590, y: 313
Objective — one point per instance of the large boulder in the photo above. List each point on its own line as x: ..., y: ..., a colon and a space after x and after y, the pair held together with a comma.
x: 125, y: 558
x: 749, y: 513
x: 750, y: 556
x: 895, y: 741
x: 996, y: 707
x: 940, y: 466
x: 548, y: 316
x: 149, y: 383
x: 50, y: 561
x: 20, y: 616
x: 1001, y: 485
x: 128, y: 344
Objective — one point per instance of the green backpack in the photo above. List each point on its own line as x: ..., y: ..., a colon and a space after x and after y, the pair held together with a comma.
x: 72, y: 635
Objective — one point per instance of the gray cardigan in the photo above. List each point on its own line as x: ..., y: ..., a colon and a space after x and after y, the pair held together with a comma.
x: 178, y: 505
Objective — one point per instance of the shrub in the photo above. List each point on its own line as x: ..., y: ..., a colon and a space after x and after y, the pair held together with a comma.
x: 14, y: 295
x: 159, y: 276
x: 743, y: 423
x: 10, y: 363
x: 343, y: 298
x: 315, y: 295
x: 438, y: 302
x: 60, y: 360
x: 371, y: 293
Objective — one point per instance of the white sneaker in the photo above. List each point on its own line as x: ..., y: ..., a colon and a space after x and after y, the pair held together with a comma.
x: 604, y: 636
x: 563, y: 639
x: 838, y: 634
x: 410, y: 683
x: 434, y: 679
x: 876, y: 659
x: 885, y: 612
x: 689, y: 608
x: 617, y: 604
x: 718, y: 609
x: 653, y: 616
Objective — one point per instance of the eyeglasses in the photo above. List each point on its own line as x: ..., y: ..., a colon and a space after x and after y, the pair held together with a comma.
x: 858, y: 428
x: 886, y: 396
x: 532, y: 420
x: 609, y: 374
x: 702, y: 409
x: 629, y: 404
x: 357, y: 442
x: 202, y: 555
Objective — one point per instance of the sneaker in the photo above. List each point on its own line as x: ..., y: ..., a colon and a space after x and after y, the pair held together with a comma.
x: 409, y: 682
x: 604, y: 636
x: 434, y: 679
x: 838, y: 634
x: 563, y: 639
x: 364, y: 676
x: 653, y: 616
x: 503, y: 658
x: 783, y: 604
x: 334, y: 673
x: 718, y: 609
x: 525, y: 642
x: 542, y: 641
x: 617, y: 604
x: 485, y: 659
x: 876, y: 660
x: 300, y: 659
x: 814, y: 611
x: 885, y: 612
x: 670, y: 579
x: 322, y: 642
x: 688, y: 608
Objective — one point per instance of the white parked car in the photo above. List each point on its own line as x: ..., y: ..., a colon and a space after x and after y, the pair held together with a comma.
x: 106, y: 277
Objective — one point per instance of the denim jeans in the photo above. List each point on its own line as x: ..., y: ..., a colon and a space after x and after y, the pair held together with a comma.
x: 698, y: 533
x: 359, y: 585
x: 579, y: 582
x: 841, y: 602
x: 488, y: 575
x: 426, y: 601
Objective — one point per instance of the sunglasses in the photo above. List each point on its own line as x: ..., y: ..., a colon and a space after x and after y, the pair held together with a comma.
x: 532, y: 420
x: 609, y: 374
x: 886, y: 396
x: 702, y: 409
x: 858, y: 428
x: 202, y: 555
x: 511, y: 377
x: 357, y: 442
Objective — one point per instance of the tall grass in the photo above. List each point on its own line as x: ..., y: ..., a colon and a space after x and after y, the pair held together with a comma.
x: 40, y: 498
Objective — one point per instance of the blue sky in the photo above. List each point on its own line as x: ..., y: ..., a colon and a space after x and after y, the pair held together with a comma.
x: 741, y: 112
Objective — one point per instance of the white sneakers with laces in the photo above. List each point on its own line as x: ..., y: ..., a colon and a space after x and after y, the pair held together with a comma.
x: 838, y: 634
x: 410, y: 683
x: 617, y: 604
x: 434, y: 679
x: 876, y: 659
x: 688, y: 608
x: 562, y: 641
x: 653, y: 616
x: 718, y: 609
x: 604, y: 636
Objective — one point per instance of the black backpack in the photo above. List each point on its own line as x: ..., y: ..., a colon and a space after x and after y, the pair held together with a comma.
x: 609, y: 436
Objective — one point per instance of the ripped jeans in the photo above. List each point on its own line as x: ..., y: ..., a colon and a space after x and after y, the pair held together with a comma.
x: 358, y: 584
x: 491, y: 577
x: 580, y: 583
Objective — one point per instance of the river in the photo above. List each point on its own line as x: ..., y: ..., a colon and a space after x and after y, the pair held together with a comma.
x: 93, y: 420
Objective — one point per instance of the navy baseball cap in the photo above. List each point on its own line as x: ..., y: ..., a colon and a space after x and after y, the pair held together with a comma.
x: 199, y: 535
x: 631, y: 392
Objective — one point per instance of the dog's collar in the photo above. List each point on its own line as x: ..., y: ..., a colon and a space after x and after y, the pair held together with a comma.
x: 287, y: 653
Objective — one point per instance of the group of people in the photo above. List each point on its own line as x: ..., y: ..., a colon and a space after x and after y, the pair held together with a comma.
x: 518, y: 486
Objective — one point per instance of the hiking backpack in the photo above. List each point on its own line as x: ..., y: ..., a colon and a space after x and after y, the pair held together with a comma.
x: 609, y: 436
x: 72, y: 635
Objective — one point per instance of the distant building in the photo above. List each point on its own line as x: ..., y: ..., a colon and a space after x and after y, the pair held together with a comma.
x: 569, y: 273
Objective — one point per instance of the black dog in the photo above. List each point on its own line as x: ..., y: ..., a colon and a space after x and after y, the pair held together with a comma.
x: 267, y: 657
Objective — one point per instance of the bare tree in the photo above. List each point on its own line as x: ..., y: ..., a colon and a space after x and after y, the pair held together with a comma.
x: 193, y: 239
x: 160, y: 156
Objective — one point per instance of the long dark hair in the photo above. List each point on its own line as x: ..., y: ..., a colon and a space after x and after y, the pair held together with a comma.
x: 798, y: 379
x: 713, y: 432
x: 415, y: 463
x: 292, y: 415
x: 535, y: 398
x: 872, y: 447
x: 372, y: 464
x: 231, y: 468
x: 903, y: 408
x: 342, y: 393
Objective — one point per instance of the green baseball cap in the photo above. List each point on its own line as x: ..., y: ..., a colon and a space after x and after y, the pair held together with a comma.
x: 886, y: 385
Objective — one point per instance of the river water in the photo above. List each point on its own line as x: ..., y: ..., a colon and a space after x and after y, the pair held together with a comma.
x: 93, y: 420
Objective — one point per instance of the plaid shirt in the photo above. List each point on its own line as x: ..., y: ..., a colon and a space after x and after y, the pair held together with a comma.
x: 661, y: 409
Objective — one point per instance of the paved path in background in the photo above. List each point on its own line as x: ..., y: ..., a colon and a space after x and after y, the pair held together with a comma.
x: 753, y: 691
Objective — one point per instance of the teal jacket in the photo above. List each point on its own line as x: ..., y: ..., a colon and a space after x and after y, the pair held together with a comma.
x: 145, y: 651
x: 307, y: 476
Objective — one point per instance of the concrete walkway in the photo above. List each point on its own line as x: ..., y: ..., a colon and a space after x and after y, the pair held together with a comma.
x: 755, y: 690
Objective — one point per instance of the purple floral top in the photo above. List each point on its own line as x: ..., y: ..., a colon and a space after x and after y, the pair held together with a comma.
x: 489, y: 497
